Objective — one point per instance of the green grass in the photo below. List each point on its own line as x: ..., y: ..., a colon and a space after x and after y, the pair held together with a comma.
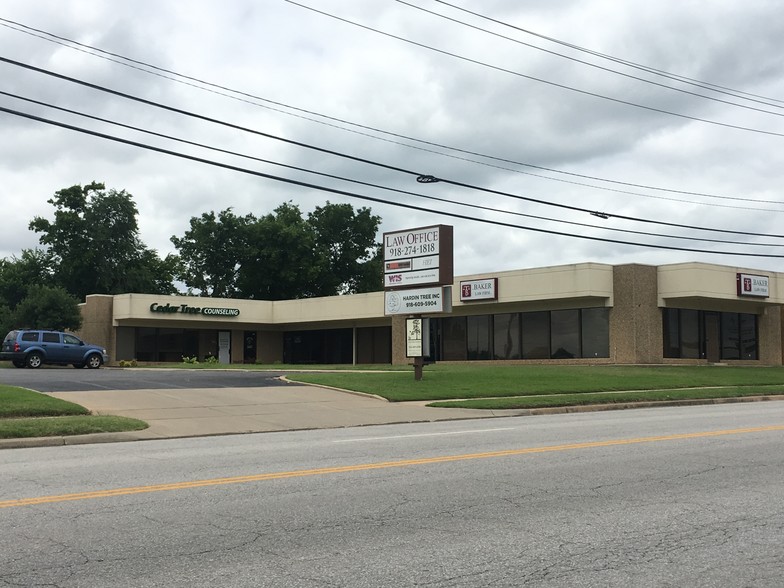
x: 20, y: 402
x: 445, y: 382
x: 561, y: 400
x: 26, y: 413
x: 276, y: 367
x: 66, y: 425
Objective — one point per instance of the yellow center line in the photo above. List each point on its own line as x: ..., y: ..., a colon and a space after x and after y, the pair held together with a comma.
x: 372, y: 466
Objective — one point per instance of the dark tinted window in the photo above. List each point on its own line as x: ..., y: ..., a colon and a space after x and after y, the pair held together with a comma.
x: 748, y: 336
x: 690, y: 334
x: 453, y: 338
x: 564, y: 334
x: 730, y: 336
x: 478, y: 337
x: 506, y: 336
x: 32, y: 336
x: 51, y: 337
x: 536, y: 335
x: 71, y: 340
x: 596, y: 332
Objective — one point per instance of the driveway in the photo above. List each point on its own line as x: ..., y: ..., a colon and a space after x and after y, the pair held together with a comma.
x: 187, y: 403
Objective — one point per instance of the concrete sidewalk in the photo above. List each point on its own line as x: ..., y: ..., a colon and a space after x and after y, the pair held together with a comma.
x: 173, y: 413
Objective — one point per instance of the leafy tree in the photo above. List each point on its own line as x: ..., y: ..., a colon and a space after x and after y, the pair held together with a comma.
x: 47, y: 307
x: 282, y: 260
x: 95, y: 247
x: 19, y: 273
x: 210, y: 252
x: 348, y: 239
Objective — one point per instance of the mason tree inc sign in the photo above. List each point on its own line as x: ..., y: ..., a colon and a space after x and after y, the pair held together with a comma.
x: 753, y: 285
x: 186, y: 309
x: 486, y: 289
x: 418, y: 257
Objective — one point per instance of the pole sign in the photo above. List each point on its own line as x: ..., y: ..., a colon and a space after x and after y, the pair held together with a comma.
x: 418, y: 257
x: 751, y: 285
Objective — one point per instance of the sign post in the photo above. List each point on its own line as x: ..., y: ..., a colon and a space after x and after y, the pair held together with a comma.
x: 418, y: 274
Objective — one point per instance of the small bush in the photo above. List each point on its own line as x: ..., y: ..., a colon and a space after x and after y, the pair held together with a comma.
x: 186, y: 359
x: 210, y: 359
x: 126, y: 363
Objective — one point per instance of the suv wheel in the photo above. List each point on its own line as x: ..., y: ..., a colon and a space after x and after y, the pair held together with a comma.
x: 34, y: 360
x: 94, y: 361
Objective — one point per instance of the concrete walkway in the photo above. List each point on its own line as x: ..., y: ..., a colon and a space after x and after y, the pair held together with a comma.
x: 173, y: 413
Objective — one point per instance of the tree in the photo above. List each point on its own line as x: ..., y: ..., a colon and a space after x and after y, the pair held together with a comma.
x: 95, y: 247
x: 211, y: 250
x: 282, y: 260
x: 348, y: 239
x: 19, y: 273
x: 47, y: 307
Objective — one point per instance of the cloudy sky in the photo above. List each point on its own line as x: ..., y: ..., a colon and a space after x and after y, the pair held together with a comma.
x: 501, y: 100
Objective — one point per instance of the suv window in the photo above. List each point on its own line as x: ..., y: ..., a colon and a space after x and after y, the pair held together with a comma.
x: 10, y: 336
x: 31, y: 336
x: 51, y: 338
x: 71, y: 340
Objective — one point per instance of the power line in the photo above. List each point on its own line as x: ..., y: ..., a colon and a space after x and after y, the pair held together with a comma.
x: 536, y: 79
x: 364, y: 197
x: 605, y: 215
x: 235, y: 93
x: 589, y: 64
x: 675, y: 77
x: 370, y: 184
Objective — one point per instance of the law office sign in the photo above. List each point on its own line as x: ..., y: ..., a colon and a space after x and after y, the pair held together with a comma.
x: 471, y: 290
x: 418, y: 257
x: 753, y: 285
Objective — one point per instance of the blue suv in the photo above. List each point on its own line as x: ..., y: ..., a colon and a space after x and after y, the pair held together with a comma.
x: 34, y: 347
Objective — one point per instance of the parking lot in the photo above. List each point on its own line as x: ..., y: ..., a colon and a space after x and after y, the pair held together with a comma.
x: 68, y: 379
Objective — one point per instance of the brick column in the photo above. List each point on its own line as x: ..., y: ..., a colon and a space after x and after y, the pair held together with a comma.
x: 635, y: 319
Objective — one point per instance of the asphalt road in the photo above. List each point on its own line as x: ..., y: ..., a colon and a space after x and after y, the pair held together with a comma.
x: 68, y: 379
x: 657, y: 497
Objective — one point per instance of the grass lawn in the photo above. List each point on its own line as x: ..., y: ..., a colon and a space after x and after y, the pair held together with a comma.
x: 445, y: 382
x: 25, y: 413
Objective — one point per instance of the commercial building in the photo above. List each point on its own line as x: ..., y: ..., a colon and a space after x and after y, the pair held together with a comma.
x: 582, y: 313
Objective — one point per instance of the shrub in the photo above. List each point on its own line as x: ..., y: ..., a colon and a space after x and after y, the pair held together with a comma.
x: 186, y: 359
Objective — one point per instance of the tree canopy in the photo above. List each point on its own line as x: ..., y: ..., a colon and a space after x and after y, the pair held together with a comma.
x: 94, y: 246
x: 281, y: 255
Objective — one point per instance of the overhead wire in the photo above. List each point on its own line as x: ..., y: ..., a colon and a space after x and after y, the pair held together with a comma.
x: 672, y: 76
x: 233, y: 94
x: 588, y: 63
x: 605, y: 215
x: 537, y: 79
x: 365, y: 197
x: 369, y: 184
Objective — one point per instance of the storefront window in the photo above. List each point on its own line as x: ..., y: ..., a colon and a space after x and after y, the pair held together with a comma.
x: 478, y: 336
x: 453, y: 335
x: 506, y: 336
x: 536, y: 335
x: 564, y: 334
x: 730, y: 336
x: 748, y: 336
x: 690, y: 334
x: 595, y: 332
x: 684, y: 334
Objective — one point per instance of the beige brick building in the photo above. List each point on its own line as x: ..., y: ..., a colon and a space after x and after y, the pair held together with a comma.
x: 581, y: 313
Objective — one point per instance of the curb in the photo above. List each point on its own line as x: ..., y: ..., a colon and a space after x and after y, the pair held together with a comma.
x: 93, y: 438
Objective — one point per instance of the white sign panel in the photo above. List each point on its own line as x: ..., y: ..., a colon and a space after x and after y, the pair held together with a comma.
x: 414, y: 330
x: 471, y: 290
x: 752, y: 285
x: 412, y: 243
x: 412, y: 278
x: 418, y: 257
x: 418, y: 301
